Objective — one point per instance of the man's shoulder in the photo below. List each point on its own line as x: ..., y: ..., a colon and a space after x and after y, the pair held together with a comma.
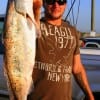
x: 67, y: 23
x: 71, y: 27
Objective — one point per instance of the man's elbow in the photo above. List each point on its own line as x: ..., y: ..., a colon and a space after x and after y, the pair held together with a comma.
x: 77, y: 68
x: 77, y: 65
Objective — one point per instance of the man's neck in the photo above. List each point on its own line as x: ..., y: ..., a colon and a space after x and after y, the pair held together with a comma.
x: 55, y: 21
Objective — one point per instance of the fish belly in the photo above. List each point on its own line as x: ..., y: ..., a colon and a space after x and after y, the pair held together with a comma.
x: 19, y: 58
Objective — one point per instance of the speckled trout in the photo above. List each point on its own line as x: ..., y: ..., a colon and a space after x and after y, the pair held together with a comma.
x: 19, y: 40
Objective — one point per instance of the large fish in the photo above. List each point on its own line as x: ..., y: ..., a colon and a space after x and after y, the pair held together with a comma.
x: 19, y: 40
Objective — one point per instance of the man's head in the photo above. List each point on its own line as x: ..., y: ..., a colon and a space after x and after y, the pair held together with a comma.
x: 54, y: 9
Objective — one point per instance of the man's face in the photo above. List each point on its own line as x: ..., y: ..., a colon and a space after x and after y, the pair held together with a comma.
x: 54, y: 10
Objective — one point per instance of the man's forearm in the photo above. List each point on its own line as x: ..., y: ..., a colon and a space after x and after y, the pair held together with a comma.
x: 82, y: 80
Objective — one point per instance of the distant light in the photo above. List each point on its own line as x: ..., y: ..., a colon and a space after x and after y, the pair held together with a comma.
x: 92, y: 33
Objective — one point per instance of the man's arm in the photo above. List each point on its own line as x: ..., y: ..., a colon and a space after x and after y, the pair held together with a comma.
x: 81, y: 78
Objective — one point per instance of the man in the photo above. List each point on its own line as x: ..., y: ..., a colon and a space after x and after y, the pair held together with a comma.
x: 57, y: 57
